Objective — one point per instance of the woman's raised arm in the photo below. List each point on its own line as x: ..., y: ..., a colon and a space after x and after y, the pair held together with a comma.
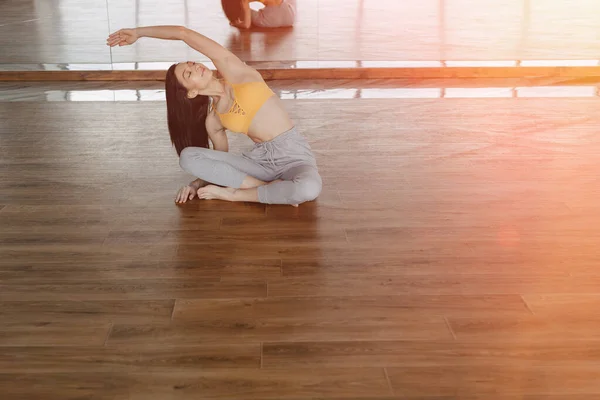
x: 228, y: 64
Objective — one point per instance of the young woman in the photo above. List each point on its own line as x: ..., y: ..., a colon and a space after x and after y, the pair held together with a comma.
x: 274, y: 14
x: 280, y: 169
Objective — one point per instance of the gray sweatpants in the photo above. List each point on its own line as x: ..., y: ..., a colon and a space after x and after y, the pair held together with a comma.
x: 287, y: 157
x: 275, y: 16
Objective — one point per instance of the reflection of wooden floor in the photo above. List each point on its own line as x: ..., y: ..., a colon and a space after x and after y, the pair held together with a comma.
x: 453, y: 252
x: 319, y: 89
x: 74, y: 31
x: 284, y: 72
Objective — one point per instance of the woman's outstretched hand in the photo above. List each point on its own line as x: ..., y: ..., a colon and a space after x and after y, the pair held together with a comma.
x: 185, y: 193
x: 123, y: 37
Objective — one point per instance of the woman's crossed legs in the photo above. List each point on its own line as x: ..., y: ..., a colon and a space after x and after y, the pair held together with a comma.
x: 247, y: 180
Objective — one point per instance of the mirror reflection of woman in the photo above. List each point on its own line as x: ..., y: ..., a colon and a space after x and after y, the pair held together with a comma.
x: 274, y: 14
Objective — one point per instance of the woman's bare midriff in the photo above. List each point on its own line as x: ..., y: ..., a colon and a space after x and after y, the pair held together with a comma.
x: 270, y: 121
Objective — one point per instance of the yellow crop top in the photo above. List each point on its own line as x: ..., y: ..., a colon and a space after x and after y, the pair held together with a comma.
x: 248, y: 99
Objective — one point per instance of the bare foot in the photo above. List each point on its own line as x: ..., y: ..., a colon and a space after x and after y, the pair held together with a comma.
x: 212, y: 192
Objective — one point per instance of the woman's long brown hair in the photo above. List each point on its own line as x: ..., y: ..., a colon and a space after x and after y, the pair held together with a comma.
x: 232, y: 9
x: 186, y: 117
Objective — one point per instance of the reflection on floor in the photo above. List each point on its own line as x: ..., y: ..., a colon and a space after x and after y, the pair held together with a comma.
x: 324, y: 89
x: 453, y: 253
x: 72, y: 31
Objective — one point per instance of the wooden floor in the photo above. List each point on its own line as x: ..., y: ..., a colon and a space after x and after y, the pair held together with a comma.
x: 453, y: 254
x: 74, y: 31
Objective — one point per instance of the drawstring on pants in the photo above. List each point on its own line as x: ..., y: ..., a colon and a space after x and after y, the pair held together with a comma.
x: 266, y: 152
x: 269, y: 151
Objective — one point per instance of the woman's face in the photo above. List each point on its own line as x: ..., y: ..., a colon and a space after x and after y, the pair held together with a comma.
x: 193, y: 76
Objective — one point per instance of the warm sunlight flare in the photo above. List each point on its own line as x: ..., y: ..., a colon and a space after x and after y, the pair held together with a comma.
x: 299, y: 199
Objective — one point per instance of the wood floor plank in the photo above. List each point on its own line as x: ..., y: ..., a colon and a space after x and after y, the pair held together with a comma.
x: 233, y: 237
x: 532, y: 256
x: 149, y: 289
x: 517, y: 396
x: 263, y: 270
x: 303, y: 219
x: 561, y: 305
x: 429, y: 353
x: 430, y: 284
x: 74, y: 270
x: 129, y: 359
x: 202, y: 384
x: 567, y: 327
x: 518, y: 380
x: 14, y: 238
x: 47, y: 254
x: 230, y: 330
x: 348, y: 308
x: 41, y: 333
x: 200, y: 236
x: 430, y: 263
x: 150, y: 217
x: 70, y: 311
x: 312, y: 246
x: 474, y: 235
